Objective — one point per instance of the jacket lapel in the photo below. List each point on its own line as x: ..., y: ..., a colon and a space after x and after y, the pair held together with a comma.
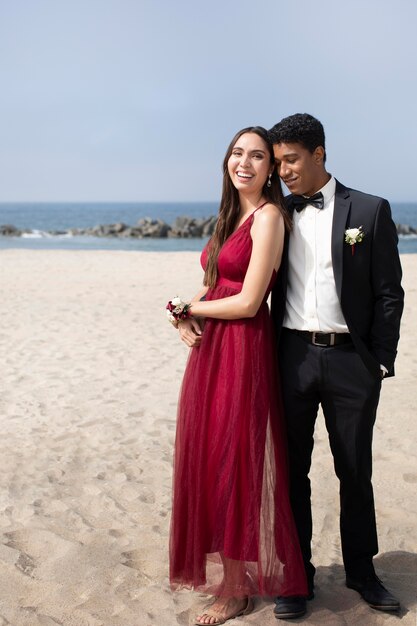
x: 340, y: 220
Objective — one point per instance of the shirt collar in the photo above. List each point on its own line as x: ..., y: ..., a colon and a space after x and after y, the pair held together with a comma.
x: 328, y: 190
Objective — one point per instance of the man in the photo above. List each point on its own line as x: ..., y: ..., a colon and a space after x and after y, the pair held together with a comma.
x: 340, y: 304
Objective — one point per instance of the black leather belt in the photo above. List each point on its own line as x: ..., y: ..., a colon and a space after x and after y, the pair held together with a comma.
x: 325, y: 340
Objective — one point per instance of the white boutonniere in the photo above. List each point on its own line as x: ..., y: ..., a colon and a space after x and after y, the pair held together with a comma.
x: 354, y: 236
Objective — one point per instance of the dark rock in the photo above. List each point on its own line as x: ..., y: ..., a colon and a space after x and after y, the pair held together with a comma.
x: 144, y: 221
x: 119, y: 228
x: 153, y: 228
x: 195, y: 229
x: 8, y: 230
x: 187, y: 227
x: 104, y: 230
x: 127, y: 232
x: 405, y: 229
x: 209, y: 226
x: 132, y: 232
x: 181, y: 223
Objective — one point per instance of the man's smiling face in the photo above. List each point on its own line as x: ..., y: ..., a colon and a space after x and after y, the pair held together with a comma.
x: 300, y: 169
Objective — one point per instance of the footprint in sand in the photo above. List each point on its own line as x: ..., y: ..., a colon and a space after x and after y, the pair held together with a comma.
x: 147, y: 497
x: 26, y: 564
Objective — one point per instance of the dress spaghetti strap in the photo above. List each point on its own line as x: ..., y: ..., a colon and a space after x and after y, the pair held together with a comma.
x: 260, y: 207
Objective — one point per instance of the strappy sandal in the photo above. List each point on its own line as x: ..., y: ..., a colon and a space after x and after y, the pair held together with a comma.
x: 220, y: 618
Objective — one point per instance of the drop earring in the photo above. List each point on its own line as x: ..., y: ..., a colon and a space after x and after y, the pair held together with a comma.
x: 268, y: 184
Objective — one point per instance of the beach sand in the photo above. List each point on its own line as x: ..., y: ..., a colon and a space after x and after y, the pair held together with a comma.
x: 90, y: 372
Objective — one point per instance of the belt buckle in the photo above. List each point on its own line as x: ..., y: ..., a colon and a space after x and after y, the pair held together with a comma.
x: 316, y: 343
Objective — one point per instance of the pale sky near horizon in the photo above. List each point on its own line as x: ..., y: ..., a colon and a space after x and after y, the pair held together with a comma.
x: 124, y: 100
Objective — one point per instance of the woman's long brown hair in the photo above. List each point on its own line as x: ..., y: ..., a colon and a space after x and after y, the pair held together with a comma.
x: 229, y: 205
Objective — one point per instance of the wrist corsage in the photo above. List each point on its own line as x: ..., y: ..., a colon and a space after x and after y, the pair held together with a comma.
x: 354, y: 236
x: 177, y: 310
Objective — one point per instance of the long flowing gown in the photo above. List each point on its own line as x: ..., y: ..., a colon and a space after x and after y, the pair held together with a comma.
x: 231, y: 513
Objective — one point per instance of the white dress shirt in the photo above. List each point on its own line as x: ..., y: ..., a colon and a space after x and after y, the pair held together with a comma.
x: 312, y: 302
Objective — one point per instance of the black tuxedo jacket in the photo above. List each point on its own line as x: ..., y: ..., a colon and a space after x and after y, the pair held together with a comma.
x: 368, y: 283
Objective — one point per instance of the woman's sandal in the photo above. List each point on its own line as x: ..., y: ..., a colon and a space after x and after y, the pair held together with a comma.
x: 221, y: 618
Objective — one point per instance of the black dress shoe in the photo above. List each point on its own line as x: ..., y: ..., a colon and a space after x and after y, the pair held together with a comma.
x: 291, y: 607
x: 374, y: 593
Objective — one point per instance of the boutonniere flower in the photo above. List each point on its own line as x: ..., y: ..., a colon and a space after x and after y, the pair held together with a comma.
x: 354, y: 236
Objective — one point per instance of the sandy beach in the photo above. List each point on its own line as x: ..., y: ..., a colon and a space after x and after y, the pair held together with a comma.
x: 90, y: 372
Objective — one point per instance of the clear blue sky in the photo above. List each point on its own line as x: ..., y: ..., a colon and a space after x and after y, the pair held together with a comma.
x: 136, y: 100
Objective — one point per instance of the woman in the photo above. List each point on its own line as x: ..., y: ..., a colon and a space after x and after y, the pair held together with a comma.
x: 232, y: 532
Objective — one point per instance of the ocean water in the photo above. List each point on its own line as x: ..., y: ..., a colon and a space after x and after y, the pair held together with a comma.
x: 41, y: 217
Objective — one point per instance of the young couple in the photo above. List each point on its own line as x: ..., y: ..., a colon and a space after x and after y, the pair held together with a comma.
x: 241, y: 519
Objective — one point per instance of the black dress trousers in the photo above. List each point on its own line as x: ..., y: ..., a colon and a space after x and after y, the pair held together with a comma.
x: 336, y: 378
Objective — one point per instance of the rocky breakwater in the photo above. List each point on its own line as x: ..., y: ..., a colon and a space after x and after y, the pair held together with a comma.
x: 182, y: 227
x: 405, y: 229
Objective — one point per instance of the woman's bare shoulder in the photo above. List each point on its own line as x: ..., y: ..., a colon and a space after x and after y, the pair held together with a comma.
x: 270, y: 215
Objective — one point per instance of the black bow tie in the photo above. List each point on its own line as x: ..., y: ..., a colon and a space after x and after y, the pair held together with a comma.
x: 300, y: 202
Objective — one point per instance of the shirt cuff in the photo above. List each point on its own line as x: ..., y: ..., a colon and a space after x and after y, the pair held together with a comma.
x: 383, y: 369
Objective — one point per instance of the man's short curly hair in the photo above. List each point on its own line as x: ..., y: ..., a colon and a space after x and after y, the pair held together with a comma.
x: 299, y: 128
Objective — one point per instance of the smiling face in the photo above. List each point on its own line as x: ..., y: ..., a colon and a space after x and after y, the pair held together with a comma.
x: 249, y: 164
x: 302, y: 171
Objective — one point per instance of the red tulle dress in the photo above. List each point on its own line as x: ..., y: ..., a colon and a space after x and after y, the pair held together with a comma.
x: 232, y: 530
